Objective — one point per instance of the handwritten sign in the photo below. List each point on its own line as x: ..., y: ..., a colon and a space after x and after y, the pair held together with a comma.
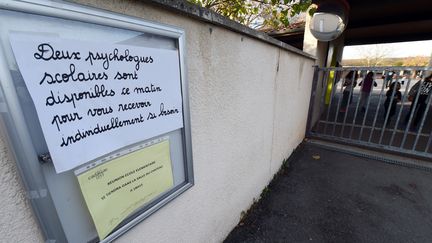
x: 93, y: 98
x: 114, y: 190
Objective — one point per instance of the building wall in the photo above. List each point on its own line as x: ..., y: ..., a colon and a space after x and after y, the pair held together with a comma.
x: 249, y: 102
x: 17, y: 222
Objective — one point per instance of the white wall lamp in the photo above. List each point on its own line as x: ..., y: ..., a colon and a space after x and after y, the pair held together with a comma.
x: 329, y: 20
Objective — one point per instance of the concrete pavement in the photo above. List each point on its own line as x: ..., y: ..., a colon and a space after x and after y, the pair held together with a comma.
x: 328, y: 196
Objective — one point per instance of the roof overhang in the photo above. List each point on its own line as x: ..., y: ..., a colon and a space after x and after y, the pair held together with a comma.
x: 380, y: 21
x: 384, y: 21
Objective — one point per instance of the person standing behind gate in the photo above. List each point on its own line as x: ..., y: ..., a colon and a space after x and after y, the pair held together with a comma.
x: 397, y: 96
x: 421, y: 106
x: 366, y: 88
x: 349, y: 83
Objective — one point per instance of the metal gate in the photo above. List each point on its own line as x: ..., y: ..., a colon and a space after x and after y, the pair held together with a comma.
x: 388, y: 108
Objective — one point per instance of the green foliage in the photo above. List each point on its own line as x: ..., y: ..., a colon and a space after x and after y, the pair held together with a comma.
x: 257, y: 13
x: 264, y: 192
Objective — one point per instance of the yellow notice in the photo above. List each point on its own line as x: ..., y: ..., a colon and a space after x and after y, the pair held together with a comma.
x: 117, y: 188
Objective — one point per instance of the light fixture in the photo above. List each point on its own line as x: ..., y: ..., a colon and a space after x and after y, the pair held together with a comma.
x: 329, y: 20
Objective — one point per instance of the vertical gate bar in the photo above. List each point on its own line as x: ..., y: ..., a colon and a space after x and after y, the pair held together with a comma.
x: 404, y: 98
x: 422, y: 122
x: 367, y: 107
x: 429, y: 143
x: 337, y: 108
x: 411, y: 115
x: 324, y: 85
x: 325, y: 82
x: 377, y: 110
x: 390, y: 132
x: 312, y: 99
x: 384, y: 127
x: 356, y: 109
x: 333, y: 93
x: 350, y: 94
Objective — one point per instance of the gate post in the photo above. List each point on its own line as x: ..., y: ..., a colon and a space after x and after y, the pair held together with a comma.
x: 311, y: 101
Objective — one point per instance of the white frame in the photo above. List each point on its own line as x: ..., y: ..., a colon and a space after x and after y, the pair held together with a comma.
x: 19, y: 136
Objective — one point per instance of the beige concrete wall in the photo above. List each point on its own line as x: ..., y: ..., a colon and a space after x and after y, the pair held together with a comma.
x: 249, y: 102
x: 17, y: 222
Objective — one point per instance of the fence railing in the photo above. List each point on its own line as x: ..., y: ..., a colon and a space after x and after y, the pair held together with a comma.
x: 381, y: 107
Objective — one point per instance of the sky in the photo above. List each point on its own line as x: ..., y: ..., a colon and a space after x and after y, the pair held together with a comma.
x: 403, y: 49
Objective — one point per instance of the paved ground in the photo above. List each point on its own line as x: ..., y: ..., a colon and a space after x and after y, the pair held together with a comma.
x: 341, y: 198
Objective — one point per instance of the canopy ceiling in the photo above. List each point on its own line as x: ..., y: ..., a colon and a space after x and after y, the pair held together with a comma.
x: 378, y: 21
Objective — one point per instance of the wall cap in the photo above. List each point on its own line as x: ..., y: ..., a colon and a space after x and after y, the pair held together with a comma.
x: 203, y: 14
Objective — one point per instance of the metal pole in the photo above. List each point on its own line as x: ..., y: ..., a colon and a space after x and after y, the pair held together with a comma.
x: 312, y: 101
x: 356, y: 109
x: 429, y: 143
x: 350, y: 94
x: 367, y: 108
x: 388, y: 109
x: 377, y: 111
x: 413, y: 110
x: 400, y: 111
x: 323, y: 97
x: 337, y: 108
x: 423, y: 120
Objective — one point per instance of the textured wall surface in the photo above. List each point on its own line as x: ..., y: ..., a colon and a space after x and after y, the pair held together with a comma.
x: 249, y: 102
x: 17, y: 223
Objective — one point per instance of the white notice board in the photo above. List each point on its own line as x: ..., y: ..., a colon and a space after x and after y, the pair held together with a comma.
x: 88, y: 93
x: 83, y: 87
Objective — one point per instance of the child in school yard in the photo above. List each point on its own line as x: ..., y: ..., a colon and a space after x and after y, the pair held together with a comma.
x: 420, y: 106
x: 366, y: 88
x: 397, y: 97
x: 349, y: 83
